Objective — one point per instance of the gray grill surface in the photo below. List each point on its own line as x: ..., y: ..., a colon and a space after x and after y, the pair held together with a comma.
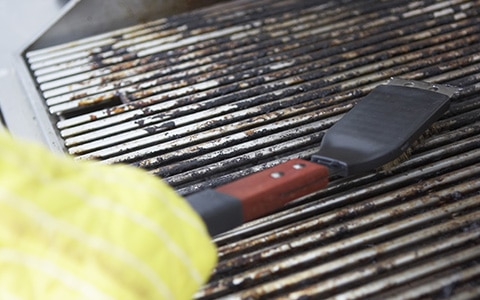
x: 208, y: 96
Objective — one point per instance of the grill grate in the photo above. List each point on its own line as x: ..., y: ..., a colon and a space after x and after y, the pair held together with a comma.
x: 208, y: 96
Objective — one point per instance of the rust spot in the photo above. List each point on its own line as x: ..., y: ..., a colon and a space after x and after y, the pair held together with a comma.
x: 123, y: 66
x: 78, y: 96
x: 91, y: 101
x: 118, y: 109
x: 143, y: 94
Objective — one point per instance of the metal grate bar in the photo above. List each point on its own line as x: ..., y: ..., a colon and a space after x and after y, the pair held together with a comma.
x: 335, y: 249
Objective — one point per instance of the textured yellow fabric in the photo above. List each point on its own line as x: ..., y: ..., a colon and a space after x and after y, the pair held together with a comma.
x: 84, y: 230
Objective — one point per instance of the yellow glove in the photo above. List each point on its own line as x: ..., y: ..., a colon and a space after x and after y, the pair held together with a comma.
x: 83, y: 230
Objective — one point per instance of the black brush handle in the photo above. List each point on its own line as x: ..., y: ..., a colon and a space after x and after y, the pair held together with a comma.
x: 258, y: 194
x: 220, y: 212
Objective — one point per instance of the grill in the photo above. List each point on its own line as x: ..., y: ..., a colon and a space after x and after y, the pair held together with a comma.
x: 208, y: 96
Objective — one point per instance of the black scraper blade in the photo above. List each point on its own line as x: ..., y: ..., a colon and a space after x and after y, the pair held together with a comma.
x: 382, y: 126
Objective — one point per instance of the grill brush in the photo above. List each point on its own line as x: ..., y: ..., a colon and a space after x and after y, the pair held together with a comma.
x: 377, y: 131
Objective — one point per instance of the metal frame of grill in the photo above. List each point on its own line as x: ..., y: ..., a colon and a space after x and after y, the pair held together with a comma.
x: 207, y: 96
